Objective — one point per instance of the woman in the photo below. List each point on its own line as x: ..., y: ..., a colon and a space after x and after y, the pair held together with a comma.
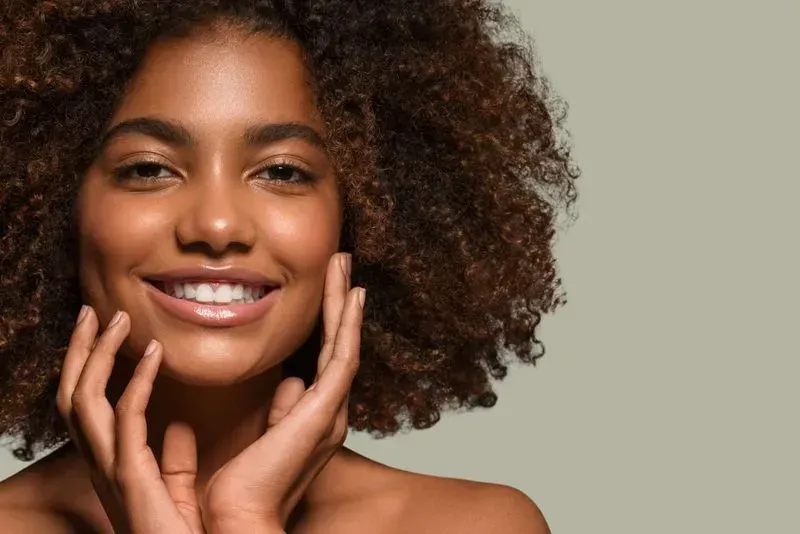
x: 210, y: 187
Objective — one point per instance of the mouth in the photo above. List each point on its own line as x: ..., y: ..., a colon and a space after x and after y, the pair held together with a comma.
x: 213, y: 293
x: 213, y: 303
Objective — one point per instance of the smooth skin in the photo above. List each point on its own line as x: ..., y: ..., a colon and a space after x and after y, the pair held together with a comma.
x: 256, y: 490
x: 203, y: 434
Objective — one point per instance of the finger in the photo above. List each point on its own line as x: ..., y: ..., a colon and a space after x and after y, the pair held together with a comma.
x: 80, y: 346
x: 179, y: 471
x: 315, y: 412
x: 301, y: 485
x: 337, y: 285
x: 334, y: 384
x: 137, y: 471
x: 282, y: 453
x: 78, y: 351
x: 287, y: 394
x: 320, y: 457
x: 90, y: 405
x: 132, y: 405
x: 100, y: 363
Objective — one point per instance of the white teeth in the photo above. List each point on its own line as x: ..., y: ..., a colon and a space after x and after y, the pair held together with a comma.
x: 204, y: 293
x: 223, y: 294
x: 189, y: 291
x: 238, y: 292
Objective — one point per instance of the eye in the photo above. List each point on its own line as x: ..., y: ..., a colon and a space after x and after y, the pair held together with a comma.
x: 142, y: 171
x: 285, y: 172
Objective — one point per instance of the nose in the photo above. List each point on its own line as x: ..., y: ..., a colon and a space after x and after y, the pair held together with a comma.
x: 216, y: 220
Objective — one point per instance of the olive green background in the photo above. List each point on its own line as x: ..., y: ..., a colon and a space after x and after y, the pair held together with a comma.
x: 666, y: 401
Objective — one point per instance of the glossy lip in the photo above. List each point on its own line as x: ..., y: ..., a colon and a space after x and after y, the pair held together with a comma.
x: 231, y: 275
x: 213, y: 315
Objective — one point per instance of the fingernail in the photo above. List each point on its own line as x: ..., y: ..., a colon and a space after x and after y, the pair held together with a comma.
x: 151, y: 347
x: 82, y: 315
x: 362, y: 296
x: 344, y: 261
x: 115, y: 319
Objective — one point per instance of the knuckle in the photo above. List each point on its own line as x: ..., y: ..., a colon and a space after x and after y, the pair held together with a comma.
x: 316, y: 400
x: 63, y: 405
x: 124, y: 407
x: 103, y: 475
x: 121, y: 476
x: 338, y: 437
x: 329, y: 340
x: 340, y: 429
x: 353, y: 364
x: 80, y: 401
x: 125, y: 476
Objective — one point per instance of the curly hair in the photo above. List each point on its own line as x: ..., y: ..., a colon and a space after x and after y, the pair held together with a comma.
x: 447, y: 140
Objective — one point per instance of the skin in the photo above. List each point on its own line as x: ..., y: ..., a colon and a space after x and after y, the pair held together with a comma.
x: 212, y: 211
x: 217, y: 391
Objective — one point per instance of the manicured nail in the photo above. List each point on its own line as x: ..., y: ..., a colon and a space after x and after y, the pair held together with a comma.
x: 114, y: 320
x: 151, y: 348
x: 82, y: 315
x: 362, y: 296
x: 344, y: 261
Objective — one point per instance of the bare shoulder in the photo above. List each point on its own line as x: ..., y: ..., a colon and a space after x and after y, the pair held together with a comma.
x: 454, y: 505
x: 46, y: 498
x: 34, y: 521
x: 24, y: 507
x: 386, y: 500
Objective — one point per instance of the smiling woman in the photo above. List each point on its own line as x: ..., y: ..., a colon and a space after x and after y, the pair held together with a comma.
x: 210, y: 187
x: 218, y: 181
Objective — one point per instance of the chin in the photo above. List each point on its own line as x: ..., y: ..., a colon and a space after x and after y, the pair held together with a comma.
x: 208, y: 362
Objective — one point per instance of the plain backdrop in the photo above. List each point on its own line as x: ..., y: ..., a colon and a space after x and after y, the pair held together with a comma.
x: 666, y: 400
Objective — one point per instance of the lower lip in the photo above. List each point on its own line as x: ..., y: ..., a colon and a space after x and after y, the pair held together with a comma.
x: 220, y: 315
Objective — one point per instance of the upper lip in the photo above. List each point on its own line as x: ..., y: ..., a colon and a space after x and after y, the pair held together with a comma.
x: 204, y: 273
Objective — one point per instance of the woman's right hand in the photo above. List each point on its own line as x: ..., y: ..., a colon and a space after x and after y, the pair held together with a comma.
x: 137, y: 496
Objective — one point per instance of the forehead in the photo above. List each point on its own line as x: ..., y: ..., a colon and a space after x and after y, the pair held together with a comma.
x: 230, y: 80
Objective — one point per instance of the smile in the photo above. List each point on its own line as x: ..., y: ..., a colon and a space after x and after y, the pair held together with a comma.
x: 214, y: 292
x: 216, y: 303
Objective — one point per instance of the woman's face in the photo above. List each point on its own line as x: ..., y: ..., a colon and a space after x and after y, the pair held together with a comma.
x: 211, y: 189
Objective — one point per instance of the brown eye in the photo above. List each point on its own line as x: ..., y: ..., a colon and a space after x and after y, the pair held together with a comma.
x: 285, y: 173
x: 143, y: 171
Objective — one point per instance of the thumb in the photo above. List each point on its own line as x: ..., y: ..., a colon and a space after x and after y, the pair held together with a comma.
x: 179, y: 471
x: 286, y: 396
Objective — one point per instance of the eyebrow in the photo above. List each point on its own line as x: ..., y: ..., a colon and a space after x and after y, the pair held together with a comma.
x: 174, y: 133
x: 166, y: 131
x: 264, y: 134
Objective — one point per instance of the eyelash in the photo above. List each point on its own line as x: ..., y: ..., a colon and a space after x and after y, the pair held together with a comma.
x: 123, y: 173
x: 304, y: 174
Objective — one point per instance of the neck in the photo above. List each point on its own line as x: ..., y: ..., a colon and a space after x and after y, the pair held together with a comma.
x: 225, y: 419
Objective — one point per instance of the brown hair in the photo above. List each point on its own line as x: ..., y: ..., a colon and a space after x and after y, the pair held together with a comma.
x: 448, y: 143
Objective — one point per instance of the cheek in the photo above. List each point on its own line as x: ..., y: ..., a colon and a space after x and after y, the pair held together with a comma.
x: 115, y: 234
x: 304, y: 238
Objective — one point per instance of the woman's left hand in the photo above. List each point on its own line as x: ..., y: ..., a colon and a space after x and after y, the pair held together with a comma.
x: 257, y: 490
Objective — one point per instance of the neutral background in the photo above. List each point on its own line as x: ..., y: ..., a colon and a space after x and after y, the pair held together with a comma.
x: 665, y: 402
